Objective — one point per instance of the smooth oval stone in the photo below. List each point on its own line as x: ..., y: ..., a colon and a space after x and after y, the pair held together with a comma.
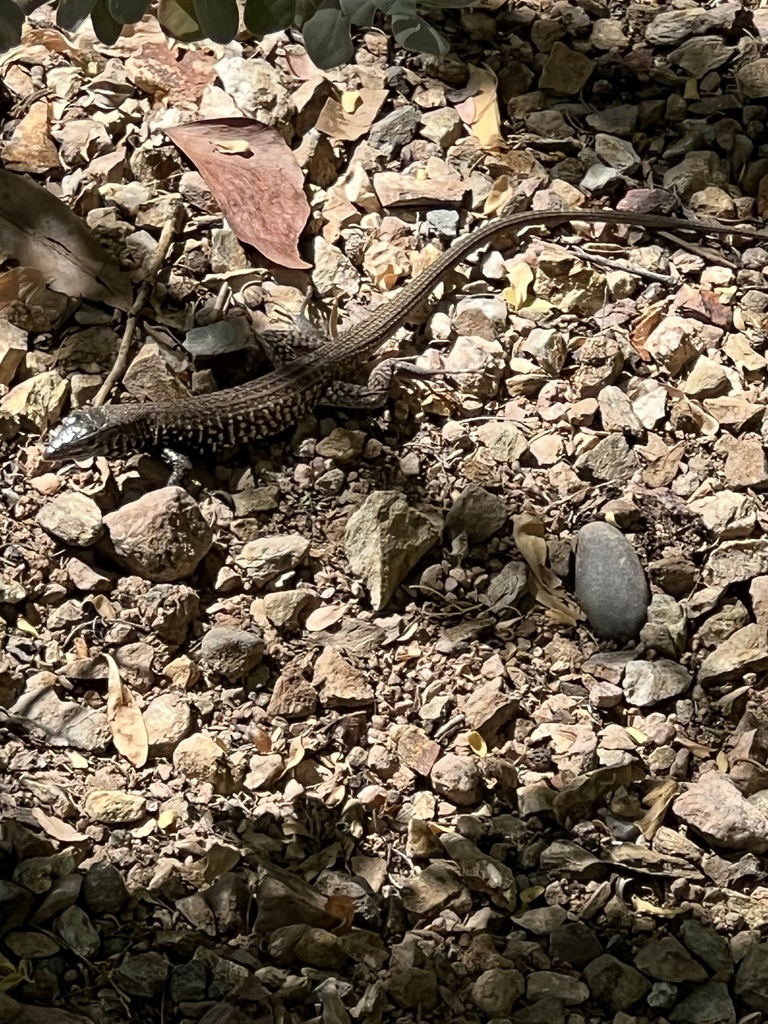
x: 610, y: 583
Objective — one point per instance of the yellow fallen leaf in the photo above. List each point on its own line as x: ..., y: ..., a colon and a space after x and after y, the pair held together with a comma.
x: 722, y: 762
x: 520, y: 277
x: 350, y: 101
x: 167, y: 820
x: 234, y: 146
x: 531, y: 894
x: 637, y: 735
x: 477, y: 744
x: 644, y: 907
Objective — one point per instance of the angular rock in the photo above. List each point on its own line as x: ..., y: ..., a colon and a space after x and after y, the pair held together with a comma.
x: 614, y: 983
x: 665, y: 958
x: 746, y: 650
x: 752, y: 978
x: 162, y: 536
x: 707, y: 1004
x: 716, y: 809
x: 650, y: 682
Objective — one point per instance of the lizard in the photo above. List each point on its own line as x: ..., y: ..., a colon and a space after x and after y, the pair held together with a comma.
x: 300, y: 382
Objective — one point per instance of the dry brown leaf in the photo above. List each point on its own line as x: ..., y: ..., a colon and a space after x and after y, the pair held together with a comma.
x: 657, y: 801
x: 217, y: 861
x: 129, y: 734
x: 324, y: 617
x: 500, y: 195
x: 348, y: 118
x: 520, y: 276
x: 644, y: 326
x: 162, y: 70
x: 343, y: 909
x: 21, y: 284
x: 545, y: 586
x: 707, y: 424
x: 56, y: 828
x: 641, y: 906
x: 38, y: 230
x: 295, y: 755
x: 261, y: 192
x: 480, y: 110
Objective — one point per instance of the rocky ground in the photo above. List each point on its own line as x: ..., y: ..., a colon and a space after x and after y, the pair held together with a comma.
x: 326, y: 736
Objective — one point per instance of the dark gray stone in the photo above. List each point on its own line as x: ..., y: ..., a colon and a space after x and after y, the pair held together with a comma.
x: 143, y: 975
x: 232, y: 653
x: 610, y: 583
x: 574, y: 943
x: 707, y: 945
x: 104, y: 890
x: 752, y: 978
x: 614, y: 983
x: 188, y: 982
x: 707, y: 1004
x: 395, y: 130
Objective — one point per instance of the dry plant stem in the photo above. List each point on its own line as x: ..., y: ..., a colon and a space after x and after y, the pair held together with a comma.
x: 628, y: 268
x: 153, y: 267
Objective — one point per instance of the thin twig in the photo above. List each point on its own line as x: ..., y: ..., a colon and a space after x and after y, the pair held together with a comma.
x: 153, y: 267
x: 628, y: 268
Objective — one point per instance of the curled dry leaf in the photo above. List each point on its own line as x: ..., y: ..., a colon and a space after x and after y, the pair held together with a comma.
x: 657, y: 801
x: 324, y: 617
x: 256, y: 180
x: 477, y: 744
x: 129, y: 734
x: 40, y: 231
x: 520, y: 276
x: 343, y: 909
x: 217, y: 861
x: 480, y: 109
x: 545, y: 586
x: 56, y: 828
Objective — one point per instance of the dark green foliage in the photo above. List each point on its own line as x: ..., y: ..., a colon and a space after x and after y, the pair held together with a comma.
x: 326, y: 25
x: 11, y: 21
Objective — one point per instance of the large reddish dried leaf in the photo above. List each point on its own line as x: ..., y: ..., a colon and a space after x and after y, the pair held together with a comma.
x: 256, y: 180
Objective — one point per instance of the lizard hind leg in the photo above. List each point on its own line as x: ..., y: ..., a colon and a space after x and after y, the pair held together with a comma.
x: 375, y: 393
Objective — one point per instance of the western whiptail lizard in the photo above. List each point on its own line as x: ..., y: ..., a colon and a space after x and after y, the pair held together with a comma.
x: 271, y: 403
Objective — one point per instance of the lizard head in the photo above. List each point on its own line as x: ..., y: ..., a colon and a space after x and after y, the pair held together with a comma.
x: 84, y: 432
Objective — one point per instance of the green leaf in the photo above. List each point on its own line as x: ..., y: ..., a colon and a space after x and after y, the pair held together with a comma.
x: 177, y: 19
x: 414, y: 33
x: 104, y: 25
x: 360, y: 12
x: 219, y: 19
x: 11, y: 21
x: 128, y: 12
x: 327, y: 38
x: 264, y: 16
x: 70, y: 14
